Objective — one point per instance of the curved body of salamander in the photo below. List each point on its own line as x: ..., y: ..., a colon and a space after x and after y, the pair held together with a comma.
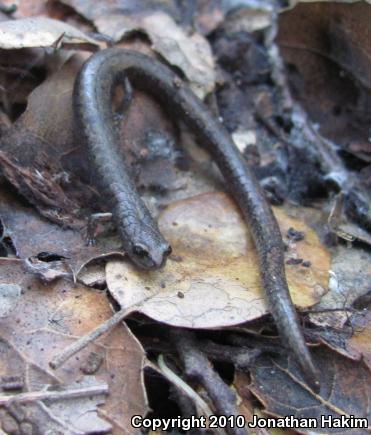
x: 93, y: 113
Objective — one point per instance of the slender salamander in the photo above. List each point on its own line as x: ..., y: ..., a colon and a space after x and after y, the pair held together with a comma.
x: 140, y: 235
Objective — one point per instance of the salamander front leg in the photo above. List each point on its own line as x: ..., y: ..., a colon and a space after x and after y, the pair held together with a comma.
x: 94, y: 220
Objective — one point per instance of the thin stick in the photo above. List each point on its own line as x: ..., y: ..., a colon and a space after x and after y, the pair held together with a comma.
x: 198, y: 367
x: 184, y: 387
x: 54, y: 395
x: 82, y: 342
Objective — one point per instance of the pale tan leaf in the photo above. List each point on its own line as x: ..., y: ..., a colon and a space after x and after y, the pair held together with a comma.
x: 40, y: 32
x: 190, y: 53
x: 212, y: 278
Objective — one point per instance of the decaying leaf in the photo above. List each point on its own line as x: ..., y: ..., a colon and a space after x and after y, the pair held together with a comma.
x: 46, y: 319
x: 9, y: 293
x: 48, y: 163
x: 344, y: 392
x: 360, y: 342
x: 190, y: 53
x: 344, y: 229
x: 41, y: 32
x: 48, y: 271
x: 32, y: 236
x: 335, y: 339
x: 212, y: 278
x: 328, y: 50
x: 246, y: 406
x: 249, y: 408
x: 250, y: 19
x: 241, y: 384
x: 69, y: 409
x: 92, y: 272
x: 149, y: 144
x: 349, y: 279
x: 32, y: 148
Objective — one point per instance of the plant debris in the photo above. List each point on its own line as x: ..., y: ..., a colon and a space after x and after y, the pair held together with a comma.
x: 87, y: 340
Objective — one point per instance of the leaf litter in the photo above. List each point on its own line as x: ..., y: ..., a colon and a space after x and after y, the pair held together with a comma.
x: 344, y: 389
x: 47, y: 319
x: 212, y: 279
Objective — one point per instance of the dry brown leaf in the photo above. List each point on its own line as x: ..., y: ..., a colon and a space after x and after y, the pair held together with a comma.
x: 92, y: 272
x: 349, y: 277
x: 20, y: 73
x: 212, y: 278
x: 360, y: 343
x: 293, y: 3
x: 347, y: 26
x: 41, y: 32
x: 47, y: 319
x: 246, y: 407
x: 190, y: 53
x: 344, y: 392
x: 335, y: 339
x: 246, y: 399
x: 34, y: 147
x: 32, y: 235
x: 327, y: 47
x: 208, y: 17
x: 42, y: 142
x: 251, y: 19
x: 67, y: 409
x: 149, y: 143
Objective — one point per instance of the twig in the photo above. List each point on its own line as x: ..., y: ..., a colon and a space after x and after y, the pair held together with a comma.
x: 82, y: 342
x: 241, y: 358
x: 200, y: 404
x: 263, y: 343
x: 299, y: 118
x: 53, y: 395
x: 198, y: 367
x: 277, y: 64
x: 329, y: 310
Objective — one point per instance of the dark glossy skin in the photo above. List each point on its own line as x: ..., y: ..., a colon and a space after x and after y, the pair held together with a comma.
x: 140, y: 235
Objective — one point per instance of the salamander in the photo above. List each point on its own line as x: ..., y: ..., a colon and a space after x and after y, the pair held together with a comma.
x: 142, y: 240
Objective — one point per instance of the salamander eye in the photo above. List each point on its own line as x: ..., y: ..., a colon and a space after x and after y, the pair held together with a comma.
x: 140, y: 251
x: 168, y: 251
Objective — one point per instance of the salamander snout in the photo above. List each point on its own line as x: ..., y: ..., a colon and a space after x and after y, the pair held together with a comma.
x: 150, y: 257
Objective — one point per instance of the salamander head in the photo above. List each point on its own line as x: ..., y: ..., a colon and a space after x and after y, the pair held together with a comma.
x: 149, y: 250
